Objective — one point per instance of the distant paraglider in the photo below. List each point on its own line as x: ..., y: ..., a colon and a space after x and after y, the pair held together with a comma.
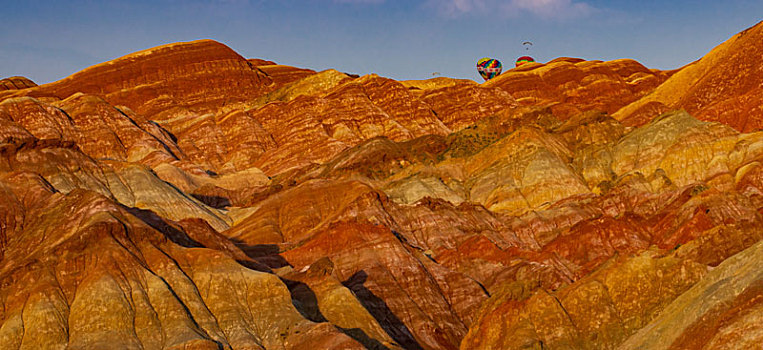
x: 524, y: 59
x: 489, y: 68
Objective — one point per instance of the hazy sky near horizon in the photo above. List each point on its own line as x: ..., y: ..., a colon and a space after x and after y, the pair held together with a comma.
x: 402, y: 39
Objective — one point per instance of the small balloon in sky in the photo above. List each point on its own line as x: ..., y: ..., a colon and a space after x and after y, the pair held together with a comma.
x: 489, y: 68
x: 524, y: 59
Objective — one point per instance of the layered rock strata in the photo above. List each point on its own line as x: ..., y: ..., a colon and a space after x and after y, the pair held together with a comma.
x: 186, y: 197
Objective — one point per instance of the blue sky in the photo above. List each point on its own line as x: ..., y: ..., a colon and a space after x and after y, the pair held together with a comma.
x: 401, y: 39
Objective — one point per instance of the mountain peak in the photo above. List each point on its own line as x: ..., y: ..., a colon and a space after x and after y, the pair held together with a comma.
x: 723, y: 86
x: 196, y: 75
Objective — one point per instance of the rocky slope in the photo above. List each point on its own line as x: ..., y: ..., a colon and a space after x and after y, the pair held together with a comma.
x: 573, y: 85
x: 184, y: 197
x: 723, y: 86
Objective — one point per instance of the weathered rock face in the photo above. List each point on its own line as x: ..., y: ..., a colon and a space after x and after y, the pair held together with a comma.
x: 597, y: 312
x: 723, y: 86
x: 722, y: 311
x: 460, y: 103
x: 314, y: 129
x: 571, y: 85
x: 184, y: 197
x: 106, y: 279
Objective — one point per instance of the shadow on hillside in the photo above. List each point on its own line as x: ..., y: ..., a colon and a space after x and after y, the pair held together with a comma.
x: 266, y: 254
x: 363, y: 338
x: 378, y: 308
x: 303, y: 298
x: 174, y: 234
x: 217, y: 202
x: 306, y: 302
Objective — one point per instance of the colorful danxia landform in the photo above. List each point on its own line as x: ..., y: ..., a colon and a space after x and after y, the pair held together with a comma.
x: 185, y: 197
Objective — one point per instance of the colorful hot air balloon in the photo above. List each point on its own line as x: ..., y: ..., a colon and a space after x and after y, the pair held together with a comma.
x: 489, y: 68
x: 524, y: 59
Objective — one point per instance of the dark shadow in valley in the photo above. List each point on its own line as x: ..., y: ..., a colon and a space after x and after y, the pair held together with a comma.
x: 266, y: 254
x: 254, y: 265
x: 305, y: 300
x: 174, y: 234
x: 217, y: 202
x: 378, y: 308
x: 363, y: 338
